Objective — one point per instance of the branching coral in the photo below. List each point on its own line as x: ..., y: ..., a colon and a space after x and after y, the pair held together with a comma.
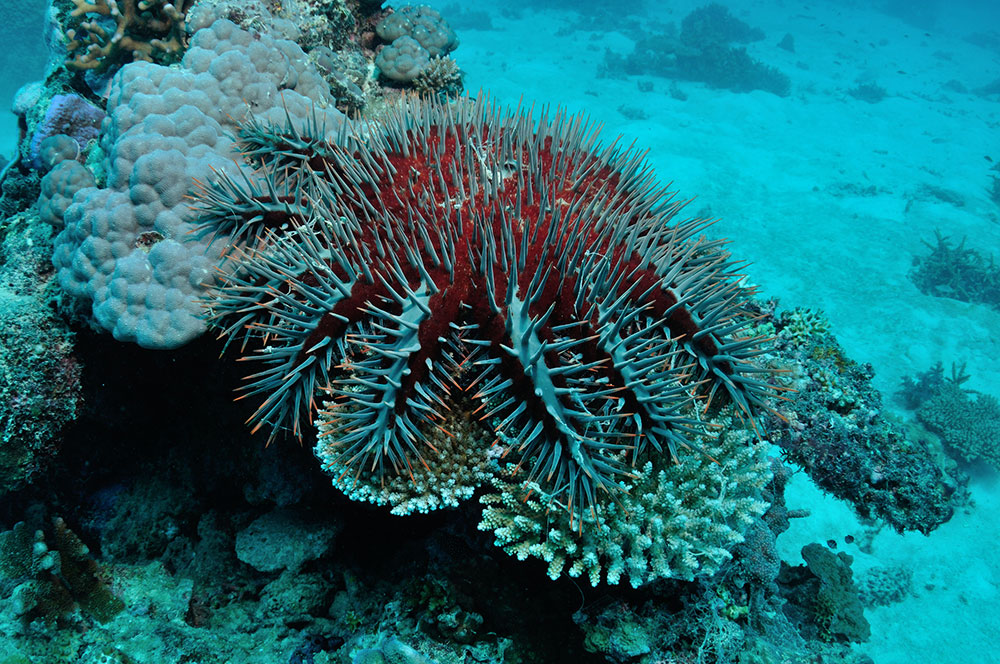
x: 113, y: 32
x: 440, y: 76
x: 970, y: 427
x: 958, y: 272
x: 463, y: 253
x: 672, y: 521
x: 457, y: 463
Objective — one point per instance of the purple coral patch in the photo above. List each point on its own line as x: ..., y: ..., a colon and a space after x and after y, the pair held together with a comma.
x: 67, y: 114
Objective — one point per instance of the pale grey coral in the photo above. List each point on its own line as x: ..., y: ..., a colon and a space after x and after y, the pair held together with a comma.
x: 306, y: 22
x: 803, y: 324
x: 423, y: 24
x: 675, y: 520
x: 416, y: 35
x: 127, y: 246
x: 402, y: 60
x: 57, y: 149
x: 58, y: 187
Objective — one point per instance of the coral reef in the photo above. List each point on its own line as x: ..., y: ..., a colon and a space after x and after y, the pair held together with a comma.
x: 993, y: 191
x: 110, y: 33
x: 39, y: 387
x: 672, y: 521
x: 882, y: 586
x: 445, y: 301
x: 338, y: 36
x: 968, y: 423
x: 595, y: 332
x: 69, y: 115
x: 403, y: 60
x: 957, y: 272
x: 739, y: 614
x: 835, y: 429
x: 283, y: 539
x: 440, y: 76
x: 126, y: 250
x: 702, y: 51
x: 869, y: 92
x: 431, y: 584
x: 823, y: 598
x: 49, y: 574
x: 141, y: 273
x: 418, y: 41
x: 39, y: 373
x: 455, y: 466
x: 715, y: 24
x: 422, y: 24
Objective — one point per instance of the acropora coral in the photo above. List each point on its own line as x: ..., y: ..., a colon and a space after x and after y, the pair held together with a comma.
x: 463, y: 263
x: 463, y: 246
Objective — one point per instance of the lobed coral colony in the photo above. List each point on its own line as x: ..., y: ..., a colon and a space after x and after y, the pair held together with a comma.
x: 461, y: 280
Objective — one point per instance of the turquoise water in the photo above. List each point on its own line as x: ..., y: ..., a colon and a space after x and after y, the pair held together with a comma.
x: 23, y: 57
x: 843, y: 139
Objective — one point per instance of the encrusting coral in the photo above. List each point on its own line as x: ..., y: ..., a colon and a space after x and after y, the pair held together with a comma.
x: 40, y: 390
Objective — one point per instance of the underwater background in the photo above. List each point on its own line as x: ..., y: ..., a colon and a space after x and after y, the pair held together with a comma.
x: 850, y: 153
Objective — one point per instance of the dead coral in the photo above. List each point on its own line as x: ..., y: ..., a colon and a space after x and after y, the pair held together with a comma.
x: 118, y: 31
x: 835, y: 429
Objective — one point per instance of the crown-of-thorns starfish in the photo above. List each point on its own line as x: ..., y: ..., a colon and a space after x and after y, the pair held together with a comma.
x: 462, y: 251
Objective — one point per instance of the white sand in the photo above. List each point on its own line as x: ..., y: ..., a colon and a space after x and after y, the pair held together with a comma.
x: 789, y: 179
